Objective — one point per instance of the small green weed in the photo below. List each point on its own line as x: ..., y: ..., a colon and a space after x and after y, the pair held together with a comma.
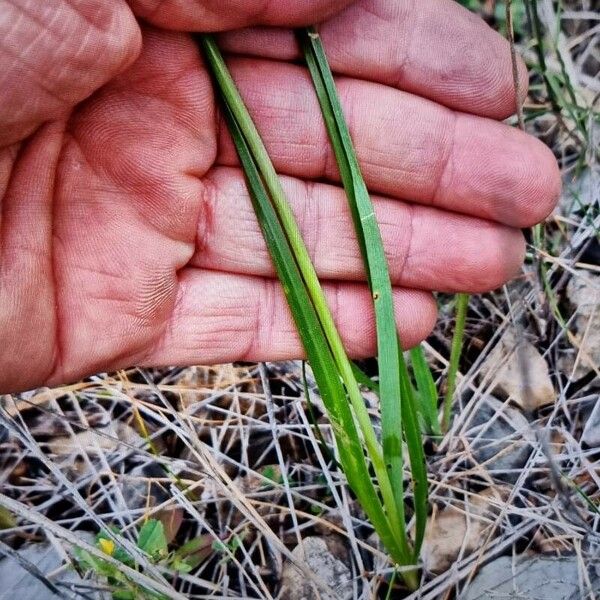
x: 152, y: 541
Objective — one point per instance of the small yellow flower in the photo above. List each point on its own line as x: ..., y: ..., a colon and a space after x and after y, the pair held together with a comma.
x: 107, y: 546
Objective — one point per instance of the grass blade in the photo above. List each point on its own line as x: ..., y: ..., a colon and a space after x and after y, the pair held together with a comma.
x: 334, y: 372
x: 313, y: 339
x: 275, y: 191
x: 397, y: 400
x: 312, y: 417
x: 363, y: 379
x: 428, y: 395
x: 332, y: 369
x: 418, y: 467
x: 462, y: 303
x: 369, y: 237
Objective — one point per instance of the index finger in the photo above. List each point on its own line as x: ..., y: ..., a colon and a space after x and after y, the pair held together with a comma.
x: 433, y: 48
x: 220, y: 15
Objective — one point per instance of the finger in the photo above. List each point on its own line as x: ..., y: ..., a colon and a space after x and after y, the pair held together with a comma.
x: 223, y: 318
x: 408, y: 147
x: 433, y: 48
x: 54, y: 54
x: 28, y: 324
x: 219, y: 15
x: 426, y: 248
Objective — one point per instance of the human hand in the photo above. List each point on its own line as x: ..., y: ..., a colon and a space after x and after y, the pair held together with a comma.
x: 126, y: 233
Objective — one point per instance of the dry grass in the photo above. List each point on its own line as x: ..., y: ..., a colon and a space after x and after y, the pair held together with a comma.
x: 229, y: 453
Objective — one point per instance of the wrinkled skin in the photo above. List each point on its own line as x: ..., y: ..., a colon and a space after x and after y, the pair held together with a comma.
x: 126, y: 235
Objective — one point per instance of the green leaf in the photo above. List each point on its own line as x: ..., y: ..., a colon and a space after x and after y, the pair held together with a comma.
x: 124, y: 595
x: 272, y: 474
x: 152, y: 538
x: 333, y: 371
x: 395, y: 387
x: 267, y: 180
x: 219, y: 546
x: 195, y: 545
x: 7, y: 520
x: 99, y: 566
x: 369, y: 237
x: 363, y: 379
x: 328, y: 454
x: 418, y: 467
x: 312, y: 330
x: 426, y: 387
x: 462, y: 304
x: 123, y: 556
x: 196, y: 551
x: 182, y: 566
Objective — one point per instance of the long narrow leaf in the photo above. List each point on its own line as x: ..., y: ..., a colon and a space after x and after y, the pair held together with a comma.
x: 369, y: 237
x: 313, y: 419
x: 363, y: 379
x: 418, y: 465
x: 397, y: 399
x: 462, y: 304
x: 276, y: 194
x: 428, y: 405
x: 316, y: 346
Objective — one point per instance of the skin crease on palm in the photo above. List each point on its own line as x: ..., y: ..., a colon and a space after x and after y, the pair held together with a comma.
x: 126, y: 233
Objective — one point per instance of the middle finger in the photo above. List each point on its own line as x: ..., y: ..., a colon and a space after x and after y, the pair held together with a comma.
x: 408, y: 147
x: 426, y: 248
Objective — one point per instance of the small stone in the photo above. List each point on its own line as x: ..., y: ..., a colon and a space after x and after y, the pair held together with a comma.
x: 328, y: 565
x: 501, y: 439
x: 516, y: 369
x: 591, y: 432
x: 19, y: 582
x: 529, y: 578
x: 583, y: 292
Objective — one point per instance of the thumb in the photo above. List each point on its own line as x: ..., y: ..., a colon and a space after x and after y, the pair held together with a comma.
x: 219, y: 15
x: 55, y: 53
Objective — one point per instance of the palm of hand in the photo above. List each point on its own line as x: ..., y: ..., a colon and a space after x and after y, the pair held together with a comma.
x: 127, y: 237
